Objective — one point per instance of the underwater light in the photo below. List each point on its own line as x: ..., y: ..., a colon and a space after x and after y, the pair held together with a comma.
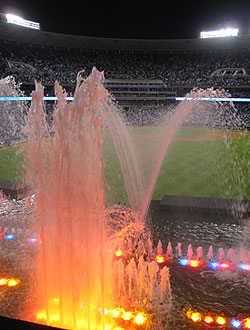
x: 32, y: 240
x: 9, y: 237
x: 208, y: 318
x: 235, y: 323
x: 116, y: 312
x: 225, y: 265
x: 196, y: 317
x: 221, y: 319
x: 160, y: 259
x: 246, y: 323
x: 140, y: 319
x: 126, y: 316
x: 3, y: 281
x: 244, y: 266
x: 194, y: 263
x: 9, y: 281
x: 184, y: 262
x: 13, y: 282
x: 118, y: 253
x: 213, y: 265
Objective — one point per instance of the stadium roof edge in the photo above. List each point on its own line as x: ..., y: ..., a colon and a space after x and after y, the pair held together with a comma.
x: 39, y: 38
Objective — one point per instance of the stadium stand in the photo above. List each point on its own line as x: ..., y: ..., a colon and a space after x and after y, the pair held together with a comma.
x: 138, y: 73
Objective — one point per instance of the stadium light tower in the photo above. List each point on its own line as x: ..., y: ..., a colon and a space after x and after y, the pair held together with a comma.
x: 229, y: 32
x: 14, y: 19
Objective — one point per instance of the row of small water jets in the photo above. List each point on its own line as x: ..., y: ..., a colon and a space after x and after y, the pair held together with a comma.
x: 231, y: 255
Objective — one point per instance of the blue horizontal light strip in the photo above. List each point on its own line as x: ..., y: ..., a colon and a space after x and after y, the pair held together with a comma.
x: 177, y: 98
x: 213, y: 99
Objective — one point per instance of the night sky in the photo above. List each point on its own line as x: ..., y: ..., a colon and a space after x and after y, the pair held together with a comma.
x: 123, y: 19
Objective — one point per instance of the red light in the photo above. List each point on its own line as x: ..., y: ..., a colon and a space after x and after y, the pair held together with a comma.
x: 160, y: 259
x: 194, y: 263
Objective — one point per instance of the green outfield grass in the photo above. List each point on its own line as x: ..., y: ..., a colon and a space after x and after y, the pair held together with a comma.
x: 213, y: 168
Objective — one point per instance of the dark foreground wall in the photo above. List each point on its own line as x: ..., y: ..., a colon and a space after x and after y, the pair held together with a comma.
x: 14, y: 190
x: 201, y: 208
x: 13, y: 324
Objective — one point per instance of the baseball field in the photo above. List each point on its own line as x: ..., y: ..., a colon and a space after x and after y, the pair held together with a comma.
x: 199, y: 162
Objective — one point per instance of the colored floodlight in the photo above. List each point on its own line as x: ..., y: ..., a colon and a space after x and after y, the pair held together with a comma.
x: 116, y: 312
x: 9, y: 237
x: 221, y: 320
x: 246, y: 323
x: 235, y: 323
x: 213, y: 265
x: 118, y: 253
x: 126, y: 316
x: 13, y: 282
x: 184, y: 262
x: 196, y: 317
x: 244, y: 266
x: 140, y: 318
x: 160, y: 259
x: 32, y: 240
x: 225, y: 265
x: 208, y: 319
x: 3, y: 281
x: 194, y: 263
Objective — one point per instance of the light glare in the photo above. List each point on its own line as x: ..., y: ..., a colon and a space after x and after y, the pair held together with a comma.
x: 219, y: 33
x: 14, y: 19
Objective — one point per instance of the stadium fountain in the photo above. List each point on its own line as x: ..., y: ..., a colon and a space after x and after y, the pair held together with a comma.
x: 79, y: 277
x: 97, y: 268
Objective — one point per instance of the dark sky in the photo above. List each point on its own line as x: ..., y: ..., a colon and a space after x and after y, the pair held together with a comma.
x: 123, y: 19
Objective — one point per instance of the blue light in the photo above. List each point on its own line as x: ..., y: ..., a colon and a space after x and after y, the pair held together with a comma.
x: 235, y: 323
x: 183, y: 262
x: 9, y: 237
x: 213, y: 265
x: 213, y: 99
x: 32, y: 240
x: 244, y: 266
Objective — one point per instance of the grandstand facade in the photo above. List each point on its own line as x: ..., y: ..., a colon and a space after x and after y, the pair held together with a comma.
x: 137, y: 72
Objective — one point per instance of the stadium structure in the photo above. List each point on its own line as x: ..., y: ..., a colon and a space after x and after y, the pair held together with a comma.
x: 137, y: 71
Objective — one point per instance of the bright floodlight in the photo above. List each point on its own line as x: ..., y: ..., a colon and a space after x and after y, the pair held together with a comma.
x: 219, y: 33
x: 22, y: 22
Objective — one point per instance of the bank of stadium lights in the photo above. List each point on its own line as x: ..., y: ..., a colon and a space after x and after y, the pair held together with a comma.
x: 219, y: 33
x: 14, y: 19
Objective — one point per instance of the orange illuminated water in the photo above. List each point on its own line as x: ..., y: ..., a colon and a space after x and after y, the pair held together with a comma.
x: 75, y: 273
x: 83, y: 274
